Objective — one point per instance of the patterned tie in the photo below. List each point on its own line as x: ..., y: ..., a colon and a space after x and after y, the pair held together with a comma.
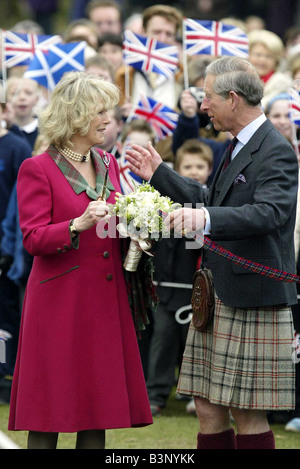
x: 229, y: 151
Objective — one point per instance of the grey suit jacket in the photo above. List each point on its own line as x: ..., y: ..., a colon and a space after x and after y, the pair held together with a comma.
x: 252, y: 206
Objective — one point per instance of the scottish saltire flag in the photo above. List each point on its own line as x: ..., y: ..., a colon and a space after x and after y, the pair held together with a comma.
x: 294, y: 106
x: 47, y: 69
x: 162, y: 118
x: 214, y: 38
x: 149, y: 55
x: 128, y: 179
x: 20, y: 48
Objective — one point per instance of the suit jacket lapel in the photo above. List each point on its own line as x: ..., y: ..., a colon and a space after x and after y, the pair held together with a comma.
x: 224, y: 180
x: 227, y: 177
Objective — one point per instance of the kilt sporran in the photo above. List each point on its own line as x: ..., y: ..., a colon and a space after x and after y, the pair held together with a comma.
x: 203, y: 299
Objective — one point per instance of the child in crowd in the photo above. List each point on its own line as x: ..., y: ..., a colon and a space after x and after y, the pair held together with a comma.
x: 100, y: 66
x: 23, y: 97
x: 111, y: 47
x: 13, y: 151
x: 194, y: 159
x: 139, y: 132
x: 113, y: 130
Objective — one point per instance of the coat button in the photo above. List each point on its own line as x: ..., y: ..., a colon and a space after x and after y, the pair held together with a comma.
x: 109, y: 277
x: 106, y: 254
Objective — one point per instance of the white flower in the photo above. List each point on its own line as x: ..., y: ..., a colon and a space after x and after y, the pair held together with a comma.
x: 140, y: 211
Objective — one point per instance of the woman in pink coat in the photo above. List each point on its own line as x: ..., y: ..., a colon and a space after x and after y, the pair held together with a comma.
x: 78, y: 367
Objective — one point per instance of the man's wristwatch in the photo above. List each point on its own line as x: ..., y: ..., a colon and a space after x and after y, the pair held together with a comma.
x: 73, y: 228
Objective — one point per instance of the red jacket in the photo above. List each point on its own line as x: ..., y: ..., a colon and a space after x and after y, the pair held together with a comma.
x: 78, y: 364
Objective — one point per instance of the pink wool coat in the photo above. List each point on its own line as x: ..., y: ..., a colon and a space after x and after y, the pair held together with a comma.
x: 78, y: 365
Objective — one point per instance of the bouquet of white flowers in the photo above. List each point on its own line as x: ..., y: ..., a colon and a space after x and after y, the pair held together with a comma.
x: 140, y: 219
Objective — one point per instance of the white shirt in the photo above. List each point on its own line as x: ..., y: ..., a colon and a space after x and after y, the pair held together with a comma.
x: 243, y: 137
x: 31, y: 127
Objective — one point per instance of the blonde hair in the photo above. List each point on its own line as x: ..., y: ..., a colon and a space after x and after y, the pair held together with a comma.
x: 269, y: 39
x: 75, y: 102
x: 40, y: 145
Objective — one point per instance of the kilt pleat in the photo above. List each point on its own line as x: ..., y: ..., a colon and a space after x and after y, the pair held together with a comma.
x: 243, y: 359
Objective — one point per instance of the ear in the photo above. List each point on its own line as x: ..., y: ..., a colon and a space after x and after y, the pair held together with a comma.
x: 234, y: 99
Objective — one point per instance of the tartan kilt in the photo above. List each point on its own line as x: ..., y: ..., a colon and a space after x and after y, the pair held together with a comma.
x: 243, y: 359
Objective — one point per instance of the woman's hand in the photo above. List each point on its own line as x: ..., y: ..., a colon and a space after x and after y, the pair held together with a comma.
x: 95, y: 211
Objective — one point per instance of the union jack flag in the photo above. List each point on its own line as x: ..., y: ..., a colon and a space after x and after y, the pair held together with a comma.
x: 128, y: 179
x: 214, y: 38
x: 294, y: 106
x: 162, y: 118
x: 19, y: 48
x: 149, y: 55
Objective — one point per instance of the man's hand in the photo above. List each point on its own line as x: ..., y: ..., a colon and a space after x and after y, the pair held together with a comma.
x: 186, y: 221
x: 143, y: 162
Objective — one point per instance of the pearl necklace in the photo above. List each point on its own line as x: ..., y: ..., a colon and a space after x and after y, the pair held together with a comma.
x: 75, y: 156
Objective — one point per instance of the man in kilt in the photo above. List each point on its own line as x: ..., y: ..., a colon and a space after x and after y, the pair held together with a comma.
x: 242, y: 362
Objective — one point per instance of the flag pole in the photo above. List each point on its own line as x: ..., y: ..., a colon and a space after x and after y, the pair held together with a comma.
x: 127, y: 82
x: 185, y: 70
x: 4, y: 72
x: 128, y: 119
x: 127, y: 90
x: 184, y: 58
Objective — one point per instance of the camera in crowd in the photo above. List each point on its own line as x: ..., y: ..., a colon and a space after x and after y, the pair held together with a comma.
x: 197, y: 93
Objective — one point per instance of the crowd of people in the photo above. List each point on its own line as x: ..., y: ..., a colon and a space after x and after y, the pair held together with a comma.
x: 45, y: 197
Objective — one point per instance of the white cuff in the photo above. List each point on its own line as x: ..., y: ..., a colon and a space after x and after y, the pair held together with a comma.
x: 207, y: 221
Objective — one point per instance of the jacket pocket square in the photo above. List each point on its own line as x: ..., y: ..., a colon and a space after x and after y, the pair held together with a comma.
x: 240, y: 179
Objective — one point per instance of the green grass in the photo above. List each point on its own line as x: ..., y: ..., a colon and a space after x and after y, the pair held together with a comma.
x: 174, y: 429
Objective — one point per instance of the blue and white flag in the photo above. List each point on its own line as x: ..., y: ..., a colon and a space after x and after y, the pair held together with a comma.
x: 20, y: 48
x: 149, y: 55
x: 214, y: 38
x: 48, y: 68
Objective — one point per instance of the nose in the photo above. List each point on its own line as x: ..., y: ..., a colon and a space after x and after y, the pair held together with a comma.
x: 162, y: 37
x: 204, y: 105
x: 106, y: 117
x: 285, y: 120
